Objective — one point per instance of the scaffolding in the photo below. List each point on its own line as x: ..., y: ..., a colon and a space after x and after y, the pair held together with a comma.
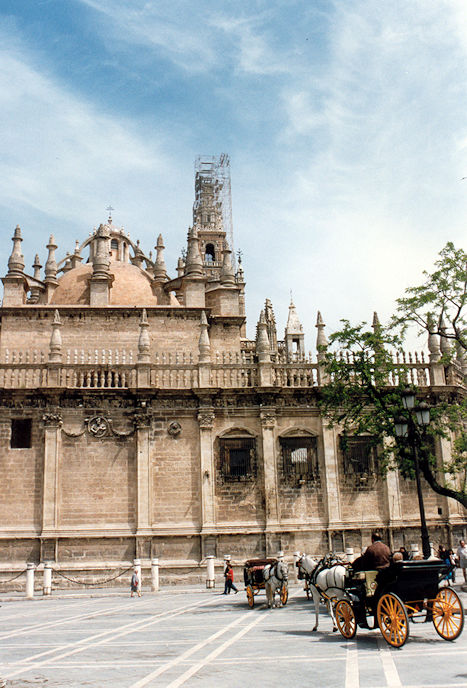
x: 213, y: 194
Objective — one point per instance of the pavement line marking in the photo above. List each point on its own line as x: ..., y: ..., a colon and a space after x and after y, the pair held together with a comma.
x: 215, y: 653
x: 212, y: 655
x: 389, y: 667
x: 176, y: 660
x: 86, y: 642
x: 352, y: 674
x: 27, y: 629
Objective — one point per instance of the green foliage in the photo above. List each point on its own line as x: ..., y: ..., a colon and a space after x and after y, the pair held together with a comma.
x: 363, y: 395
x: 438, y: 305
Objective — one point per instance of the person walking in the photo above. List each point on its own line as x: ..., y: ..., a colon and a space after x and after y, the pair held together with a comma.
x: 229, y: 577
x: 462, y: 558
x: 134, y: 584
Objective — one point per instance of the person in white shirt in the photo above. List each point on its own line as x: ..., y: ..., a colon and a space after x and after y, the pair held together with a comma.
x: 462, y: 558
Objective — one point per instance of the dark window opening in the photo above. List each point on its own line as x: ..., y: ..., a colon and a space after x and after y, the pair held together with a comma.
x: 360, y: 456
x: 114, y: 244
x: 209, y: 254
x: 300, y: 458
x: 21, y: 433
x: 237, y: 458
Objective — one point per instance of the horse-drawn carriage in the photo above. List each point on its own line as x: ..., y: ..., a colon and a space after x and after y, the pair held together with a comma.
x: 265, y: 574
x: 389, y: 599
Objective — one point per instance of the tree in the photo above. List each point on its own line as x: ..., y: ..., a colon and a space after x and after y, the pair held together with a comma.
x: 438, y: 306
x: 366, y: 377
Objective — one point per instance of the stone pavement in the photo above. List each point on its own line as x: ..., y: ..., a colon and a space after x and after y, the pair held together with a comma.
x: 196, y: 637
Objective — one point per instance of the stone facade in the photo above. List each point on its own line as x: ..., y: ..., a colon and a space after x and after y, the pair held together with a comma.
x: 136, y: 420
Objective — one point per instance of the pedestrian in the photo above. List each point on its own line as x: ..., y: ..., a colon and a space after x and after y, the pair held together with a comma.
x: 229, y: 577
x: 134, y: 584
x: 462, y: 558
x: 453, y: 562
x: 405, y: 554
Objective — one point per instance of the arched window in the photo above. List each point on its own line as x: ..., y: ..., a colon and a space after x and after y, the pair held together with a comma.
x: 209, y: 254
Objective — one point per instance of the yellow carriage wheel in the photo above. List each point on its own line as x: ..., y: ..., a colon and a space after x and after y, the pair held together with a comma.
x: 393, y: 620
x: 345, y: 619
x: 284, y: 593
x: 448, y: 614
x: 250, y: 596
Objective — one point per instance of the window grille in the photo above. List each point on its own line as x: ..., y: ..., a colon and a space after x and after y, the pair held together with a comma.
x: 113, y: 244
x: 21, y: 433
x: 360, y: 456
x: 237, y: 458
x: 300, y: 458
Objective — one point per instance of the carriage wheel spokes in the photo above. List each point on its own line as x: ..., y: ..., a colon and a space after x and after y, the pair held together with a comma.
x: 284, y: 594
x: 393, y: 620
x: 345, y: 619
x: 250, y: 595
x: 448, y: 614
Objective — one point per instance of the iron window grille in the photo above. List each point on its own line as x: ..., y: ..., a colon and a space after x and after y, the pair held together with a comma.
x: 300, y: 459
x: 237, y: 458
x: 360, y: 459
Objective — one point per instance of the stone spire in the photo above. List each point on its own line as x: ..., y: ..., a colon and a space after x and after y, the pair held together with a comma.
x: 444, y: 344
x: 143, y: 342
x: 194, y: 262
x: 433, y: 341
x: 294, y: 337
x: 227, y: 272
x: 180, y: 267
x: 160, y: 271
x: 461, y: 358
x: 76, y: 258
x: 271, y: 324
x: 37, y: 267
x: 262, y: 341
x: 204, y: 344
x: 51, y: 263
x: 321, y: 339
x: 16, y: 260
x: 55, y: 346
x: 376, y: 325
x: 101, y: 260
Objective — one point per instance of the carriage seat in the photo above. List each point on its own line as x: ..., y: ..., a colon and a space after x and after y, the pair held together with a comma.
x: 369, y: 578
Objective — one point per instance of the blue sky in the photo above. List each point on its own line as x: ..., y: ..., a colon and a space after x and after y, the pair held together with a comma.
x: 345, y: 122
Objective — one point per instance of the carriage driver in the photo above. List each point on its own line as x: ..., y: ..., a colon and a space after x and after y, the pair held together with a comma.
x: 376, y: 557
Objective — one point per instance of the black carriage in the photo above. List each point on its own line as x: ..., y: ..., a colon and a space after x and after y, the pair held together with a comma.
x: 254, y: 580
x: 405, y: 591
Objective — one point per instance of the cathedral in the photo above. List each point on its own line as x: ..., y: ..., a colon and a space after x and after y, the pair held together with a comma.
x: 137, y: 420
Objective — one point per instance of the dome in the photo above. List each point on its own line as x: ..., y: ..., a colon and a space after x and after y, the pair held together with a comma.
x: 131, y: 286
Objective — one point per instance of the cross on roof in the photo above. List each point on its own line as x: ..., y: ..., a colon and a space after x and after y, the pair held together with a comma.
x: 109, y: 208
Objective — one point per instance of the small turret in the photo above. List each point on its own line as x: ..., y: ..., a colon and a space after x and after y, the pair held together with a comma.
x: 294, y: 337
x: 433, y: 341
x: 193, y: 263
x: 55, y: 346
x: 51, y: 263
x: 263, y: 348
x: 444, y: 344
x: 143, y: 342
x: 101, y: 278
x: 160, y: 270
x: 204, y: 344
x: 37, y: 267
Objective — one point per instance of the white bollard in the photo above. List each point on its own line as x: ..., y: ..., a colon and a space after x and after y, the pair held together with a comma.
x: 155, y: 574
x: 210, y: 576
x: 137, y: 566
x: 47, y: 582
x: 30, y: 569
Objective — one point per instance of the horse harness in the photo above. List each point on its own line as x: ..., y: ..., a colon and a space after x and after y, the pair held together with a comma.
x: 272, y: 571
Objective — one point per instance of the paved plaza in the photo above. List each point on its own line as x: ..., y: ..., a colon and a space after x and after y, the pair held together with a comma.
x: 193, y: 637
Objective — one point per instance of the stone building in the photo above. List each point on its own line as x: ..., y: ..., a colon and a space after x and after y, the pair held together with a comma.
x: 137, y: 420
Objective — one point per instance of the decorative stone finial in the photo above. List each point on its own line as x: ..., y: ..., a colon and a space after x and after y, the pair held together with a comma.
x: 143, y: 342
x: 180, y: 267
x: 194, y: 262
x: 433, y: 341
x: 51, y: 264
x: 444, y: 344
x: 55, y: 346
x: 37, y: 267
x: 227, y: 276
x: 160, y: 271
x: 262, y: 340
x: 204, y: 344
x: 321, y: 339
x: 16, y: 260
x: 376, y: 325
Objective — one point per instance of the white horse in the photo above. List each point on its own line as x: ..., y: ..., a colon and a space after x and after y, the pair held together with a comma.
x: 275, y: 575
x: 325, y: 581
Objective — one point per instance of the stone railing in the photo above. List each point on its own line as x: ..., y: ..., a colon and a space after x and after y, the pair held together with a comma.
x: 117, y: 369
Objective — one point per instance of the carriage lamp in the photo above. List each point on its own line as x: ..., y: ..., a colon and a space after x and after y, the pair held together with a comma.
x: 402, y: 427
x: 408, y: 399
x: 422, y: 413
